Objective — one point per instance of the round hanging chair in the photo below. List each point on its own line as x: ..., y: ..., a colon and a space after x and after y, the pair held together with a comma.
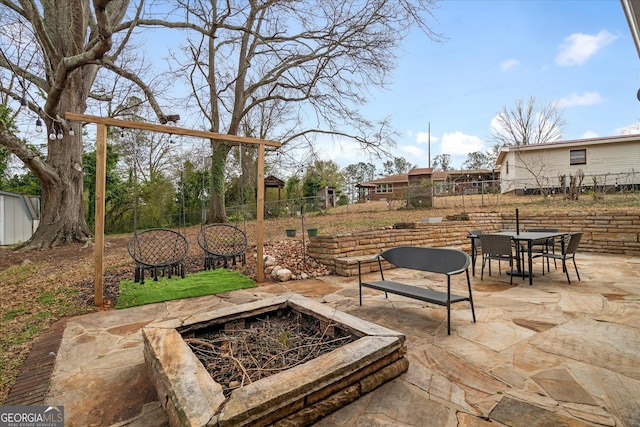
x: 161, y: 251
x: 222, y: 243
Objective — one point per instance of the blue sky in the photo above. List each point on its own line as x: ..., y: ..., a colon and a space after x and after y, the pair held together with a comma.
x: 578, y: 54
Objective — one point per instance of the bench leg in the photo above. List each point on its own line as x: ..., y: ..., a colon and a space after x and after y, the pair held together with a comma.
x: 360, y: 283
x: 448, y: 305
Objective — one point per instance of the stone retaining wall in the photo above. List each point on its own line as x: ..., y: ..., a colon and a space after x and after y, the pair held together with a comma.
x: 615, y: 231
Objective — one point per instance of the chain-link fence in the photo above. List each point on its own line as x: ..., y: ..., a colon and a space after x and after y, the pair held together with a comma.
x: 576, y: 183
x: 451, y: 194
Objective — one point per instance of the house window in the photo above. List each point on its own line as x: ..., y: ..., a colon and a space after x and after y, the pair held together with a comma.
x: 507, y: 167
x: 384, y: 188
x: 578, y: 157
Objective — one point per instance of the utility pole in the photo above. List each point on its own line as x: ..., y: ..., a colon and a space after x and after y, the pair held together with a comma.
x: 429, y: 142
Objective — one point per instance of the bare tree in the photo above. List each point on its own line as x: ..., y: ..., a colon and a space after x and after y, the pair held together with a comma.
x: 307, y: 66
x: 525, y: 124
x: 66, y: 43
x: 60, y: 48
x: 537, y: 165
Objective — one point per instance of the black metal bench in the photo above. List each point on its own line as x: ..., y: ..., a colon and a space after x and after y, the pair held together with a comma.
x: 161, y: 251
x: 222, y: 243
x: 434, y: 260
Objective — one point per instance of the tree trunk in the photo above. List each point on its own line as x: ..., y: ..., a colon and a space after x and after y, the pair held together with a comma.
x: 70, y: 38
x: 217, y: 212
x: 62, y: 217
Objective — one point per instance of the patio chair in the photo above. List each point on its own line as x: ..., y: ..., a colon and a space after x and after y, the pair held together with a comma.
x: 498, y: 248
x: 568, y: 252
x: 539, y: 248
x: 476, y: 246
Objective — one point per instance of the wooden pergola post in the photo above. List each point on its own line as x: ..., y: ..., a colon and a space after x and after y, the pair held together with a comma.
x: 260, y: 214
x: 101, y: 161
x: 101, y: 190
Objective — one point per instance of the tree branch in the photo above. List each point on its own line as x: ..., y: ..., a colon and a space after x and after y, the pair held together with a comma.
x: 30, y: 157
x: 108, y: 64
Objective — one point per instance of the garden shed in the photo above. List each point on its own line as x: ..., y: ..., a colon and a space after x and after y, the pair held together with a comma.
x: 19, y: 217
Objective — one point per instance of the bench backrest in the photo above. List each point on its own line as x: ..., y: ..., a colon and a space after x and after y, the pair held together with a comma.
x: 435, y: 260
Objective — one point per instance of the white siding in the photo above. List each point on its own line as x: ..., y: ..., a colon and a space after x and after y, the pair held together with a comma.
x: 610, y: 162
x: 2, y: 226
x: 15, y: 223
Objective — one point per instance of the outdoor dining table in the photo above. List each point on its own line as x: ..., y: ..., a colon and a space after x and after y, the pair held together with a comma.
x: 521, y: 237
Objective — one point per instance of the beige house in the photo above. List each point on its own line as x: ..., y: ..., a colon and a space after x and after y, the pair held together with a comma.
x: 610, y: 161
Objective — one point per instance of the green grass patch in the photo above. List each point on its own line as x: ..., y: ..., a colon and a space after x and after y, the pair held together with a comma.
x: 26, y: 333
x: 209, y: 282
x: 12, y: 314
x: 18, y: 274
x: 47, y: 298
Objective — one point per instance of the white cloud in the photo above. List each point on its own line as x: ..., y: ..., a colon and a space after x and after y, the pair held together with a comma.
x: 588, y: 98
x: 343, y: 152
x: 578, y: 47
x: 414, y: 155
x: 457, y: 143
x: 509, y: 64
x: 423, y: 138
x: 589, y: 134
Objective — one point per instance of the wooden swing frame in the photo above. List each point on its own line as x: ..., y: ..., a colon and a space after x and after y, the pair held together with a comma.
x: 101, y: 167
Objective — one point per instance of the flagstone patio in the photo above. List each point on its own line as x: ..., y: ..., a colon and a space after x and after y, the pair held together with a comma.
x: 549, y: 354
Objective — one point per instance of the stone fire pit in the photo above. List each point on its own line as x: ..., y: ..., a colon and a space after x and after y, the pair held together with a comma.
x: 297, y: 396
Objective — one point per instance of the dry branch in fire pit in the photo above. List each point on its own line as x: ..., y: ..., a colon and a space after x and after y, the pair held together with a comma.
x: 269, y: 345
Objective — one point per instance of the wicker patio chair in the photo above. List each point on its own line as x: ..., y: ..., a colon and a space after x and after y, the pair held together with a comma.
x: 475, y: 242
x: 498, y: 248
x: 539, y: 248
x: 568, y: 252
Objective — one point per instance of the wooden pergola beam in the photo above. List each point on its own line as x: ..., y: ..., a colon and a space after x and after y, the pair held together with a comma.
x: 101, y: 157
x: 173, y: 130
